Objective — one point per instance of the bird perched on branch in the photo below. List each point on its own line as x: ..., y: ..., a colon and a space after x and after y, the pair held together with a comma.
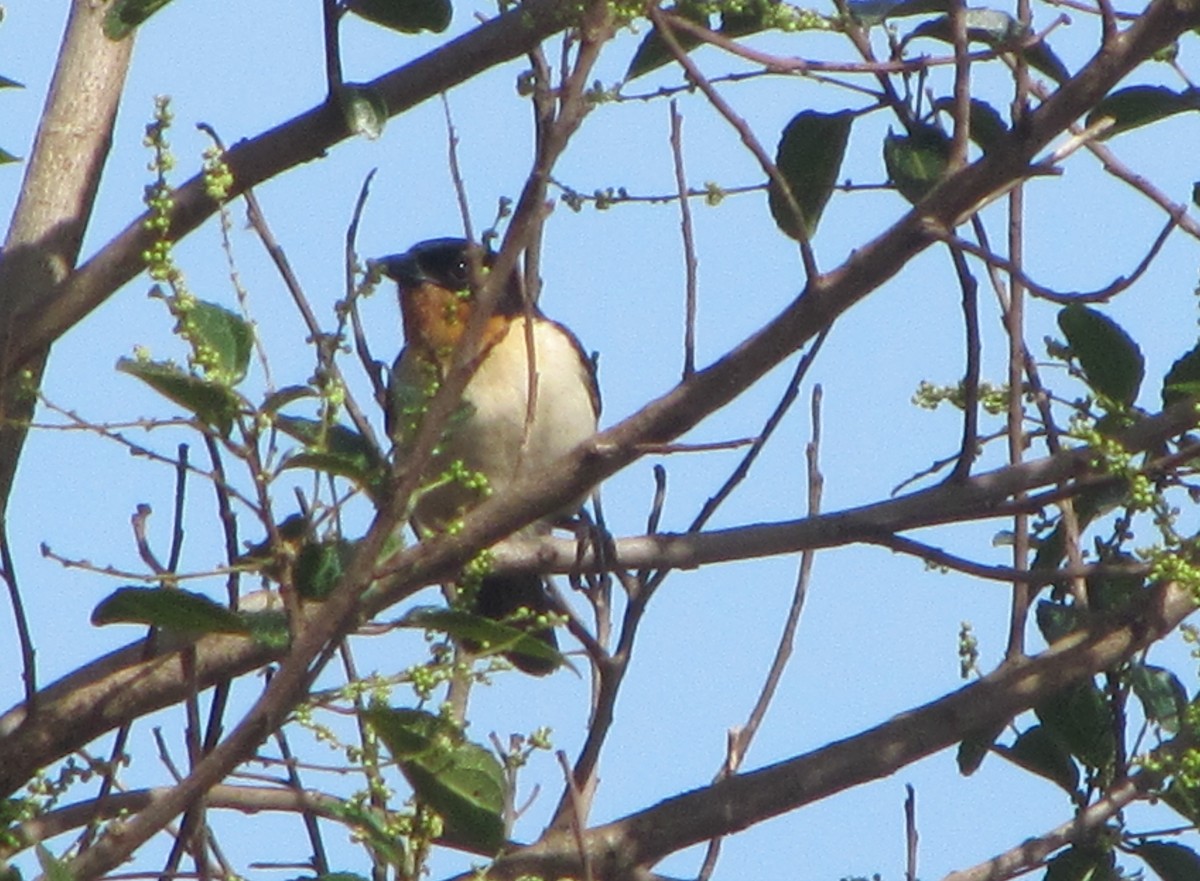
x: 495, y: 433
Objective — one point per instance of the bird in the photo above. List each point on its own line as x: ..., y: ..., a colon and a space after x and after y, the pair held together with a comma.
x: 493, y: 433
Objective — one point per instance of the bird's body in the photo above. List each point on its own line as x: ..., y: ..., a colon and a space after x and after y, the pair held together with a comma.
x: 494, y: 434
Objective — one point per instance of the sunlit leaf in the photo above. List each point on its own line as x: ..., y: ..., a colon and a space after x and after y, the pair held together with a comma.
x: 809, y: 158
x: 406, y: 16
x: 225, y: 335
x: 1136, y: 106
x: 460, y: 780
x: 124, y: 16
x: 483, y: 634
x: 180, y: 611
x: 212, y: 403
x: 916, y: 162
x: 1112, y: 362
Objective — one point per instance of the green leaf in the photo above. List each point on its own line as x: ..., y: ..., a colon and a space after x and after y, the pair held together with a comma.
x: 6, y: 83
x: 460, y: 780
x: 1183, y: 379
x: 871, y: 12
x: 212, y: 402
x: 124, y: 16
x: 268, y: 627
x: 974, y: 749
x: 55, y: 869
x: 749, y: 17
x: 225, y: 336
x: 319, y: 567
x: 7, y: 158
x: 1083, y: 862
x: 364, y: 110
x: 1039, y: 751
x: 987, y: 125
x: 809, y: 158
x: 484, y: 635
x: 180, y: 611
x: 653, y: 51
x: 1185, y: 799
x: 996, y: 29
x: 334, y: 449
x: 1169, y: 861
x: 287, y: 395
x: 1136, y: 106
x: 1079, y: 717
x: 405, y: 16
x: 1056, y: 620
x: 1164, y: 699
x: 915, y: 163
x: 1112, y: 362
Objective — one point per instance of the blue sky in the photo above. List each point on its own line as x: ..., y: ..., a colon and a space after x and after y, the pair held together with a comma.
x: 879, y: 632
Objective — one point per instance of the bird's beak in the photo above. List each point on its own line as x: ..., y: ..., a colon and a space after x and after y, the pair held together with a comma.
x: 402, y: 269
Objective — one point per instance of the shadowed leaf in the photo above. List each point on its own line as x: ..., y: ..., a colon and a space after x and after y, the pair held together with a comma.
x: 809, y: 158
x: 405, y: 16
x: 1112, y: 362
x: 180, y: 611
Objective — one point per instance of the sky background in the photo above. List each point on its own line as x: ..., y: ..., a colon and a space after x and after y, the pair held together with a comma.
x: 879, y: 633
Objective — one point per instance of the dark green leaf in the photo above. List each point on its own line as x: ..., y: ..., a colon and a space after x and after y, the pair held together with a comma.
x: 483, y: 634
x: 916, y: 162
x: 226, y: 338
x: 1055, y: 620
x: 1080, y: 719
x: 653, y: 52
x: 749, y: 17
x: 268, y: 627
x: 124, y: 16
x: 319, y: 566
x: 974, y: 749
x: 987, y: 125
x: 996, y: 29
x: 1081, y: 863
x: 7, y: 158
x: 1185, y: 799
x: 1183, y: 379
x: 460, y: 780
x: 1169, y: 861
x: 364, y: 110
x: 1141, y: 105
x: 1038, y: 751
x: 286, y: 395
x: 809, y: 158
x: 334, y: 449
x: 212, y: 403
x: 1112, y: 362
x: 406, y: 16
x: 6, y: 83
x: 180, y: 611
x: 1164, y: 699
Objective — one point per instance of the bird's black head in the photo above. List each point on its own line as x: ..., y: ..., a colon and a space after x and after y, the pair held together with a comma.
x: 445, y: 262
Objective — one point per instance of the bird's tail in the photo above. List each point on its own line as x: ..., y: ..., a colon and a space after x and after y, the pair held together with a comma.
x: 502, y: 595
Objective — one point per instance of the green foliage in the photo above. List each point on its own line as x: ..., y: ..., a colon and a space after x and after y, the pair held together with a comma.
x: 405, y: 16
x: 809, y: 158
x: 1038, y: 750
x: 1168, y: 860
x: 917, y: 161
x: 460, y: 780
x: 1111, y: 361
x: 653, y: 51
x: 125, y: 16
x: 173, y: 609
x: 1183, y: 379
x: 1080, y: 719
x: 987, y: 127
x: 484, y: 635
x: 997, y: 30
x: 213, y: 403
x: 1136, y: 106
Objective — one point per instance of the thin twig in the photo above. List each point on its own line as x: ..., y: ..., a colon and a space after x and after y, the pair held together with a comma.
x: 689, y: 244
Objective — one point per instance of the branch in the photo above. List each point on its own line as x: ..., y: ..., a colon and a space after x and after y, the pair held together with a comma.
x: 639, y: 840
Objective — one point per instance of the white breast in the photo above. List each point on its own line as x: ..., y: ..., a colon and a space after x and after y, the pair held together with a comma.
x: 496, y: 437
